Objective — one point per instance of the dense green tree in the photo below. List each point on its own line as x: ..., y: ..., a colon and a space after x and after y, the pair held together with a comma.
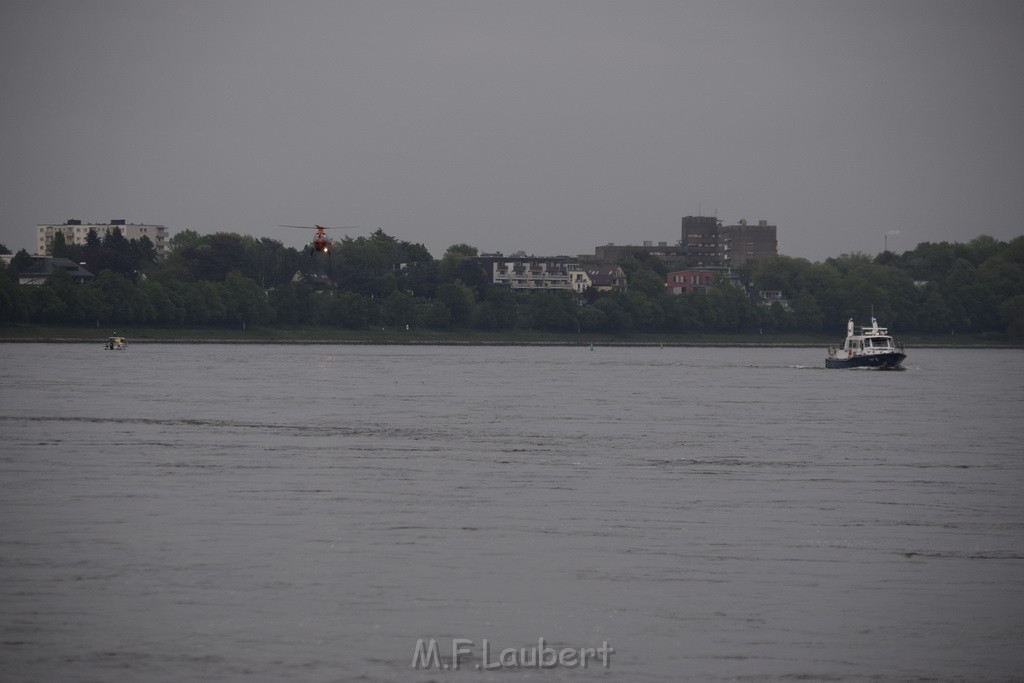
x: 116, y: 255
x: 268, y: 262
x: 143, y: 252
x: 733, y: 310
x: 184, y: 238
x: 653, y: 263
x: 1012, y: 312
x: 60, y: 283
x: 592, y: 319
x: 419, y: 278
x: 928, y: 260
x: 171, y: 271
x: 680, y: 315
x: 92, y: 251
x: 47, y: 307
x: 206, y: 303
x: 59, y: 248
x: 458, y: 263
x: 500, y: 306
x: 379, y: 264
x: 552, y: 311
x: 13, y: 307
x: 807, y: 314
x: 789, y: 275
x: 414, y: 252
x: 775, y: 318
x: 453, y: 256
x: 1014, y: 251
x: 982, y: 248
x: 399, y: 309
x: 20, y: 262
x: 436, y: 315
x: 957, y: 282
x: 352, y: 310
x: 647, y: 282
x: 91, y: 305
x: 366, y: 265
x: 166, y: 300
x: 213, y: 257
x: 484, y: 317
x: 645, y: 310
x: 341, y: 309
x: 249, y: 303
x: 933, y: 315
x: 320, y: 312
x: 292, y: 303
x: 123, y: 302
x: 459, y: 300
x: 616, y: 318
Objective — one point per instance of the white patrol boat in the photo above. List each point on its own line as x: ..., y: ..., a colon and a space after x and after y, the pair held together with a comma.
x: 866, y: 347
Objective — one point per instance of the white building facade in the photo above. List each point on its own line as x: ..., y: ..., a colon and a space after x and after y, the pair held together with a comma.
x: 530, y: 273
x: 76, y: 231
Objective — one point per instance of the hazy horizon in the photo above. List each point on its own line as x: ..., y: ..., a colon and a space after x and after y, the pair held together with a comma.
x: 547, y: 127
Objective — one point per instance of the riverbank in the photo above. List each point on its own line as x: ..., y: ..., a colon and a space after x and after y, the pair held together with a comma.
x: 394, y: 336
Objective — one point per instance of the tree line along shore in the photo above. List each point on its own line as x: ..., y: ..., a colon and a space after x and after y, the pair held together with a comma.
x: 234, y: 287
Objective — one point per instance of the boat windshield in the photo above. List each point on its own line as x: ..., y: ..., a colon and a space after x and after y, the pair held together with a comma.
x: 881, y: 341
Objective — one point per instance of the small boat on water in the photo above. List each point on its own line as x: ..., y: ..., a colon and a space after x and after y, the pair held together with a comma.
x: 866, y: 347
x: 116, y: 343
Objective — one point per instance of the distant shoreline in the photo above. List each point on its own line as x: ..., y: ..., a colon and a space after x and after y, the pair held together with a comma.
x: 480, y: 342
x: 326, y: 336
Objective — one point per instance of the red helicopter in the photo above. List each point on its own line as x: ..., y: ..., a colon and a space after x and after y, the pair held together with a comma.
x: 320, y: 241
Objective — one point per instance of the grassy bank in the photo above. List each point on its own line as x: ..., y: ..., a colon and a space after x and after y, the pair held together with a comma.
x: 327, y: 335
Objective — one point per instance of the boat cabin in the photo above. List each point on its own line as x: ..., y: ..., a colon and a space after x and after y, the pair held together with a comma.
x: 873, y: 339
x: 868, y: 343
x: 866, y: 347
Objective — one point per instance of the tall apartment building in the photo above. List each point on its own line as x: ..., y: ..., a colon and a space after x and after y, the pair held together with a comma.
x: 75, y: 232
x: 742, y: 243
x: 707, y: 242
x: 701, y: 241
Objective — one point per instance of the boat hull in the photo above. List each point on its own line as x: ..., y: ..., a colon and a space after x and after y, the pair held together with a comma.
x: 882, y: 361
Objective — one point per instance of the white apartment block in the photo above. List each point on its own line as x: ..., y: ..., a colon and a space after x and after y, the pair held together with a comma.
x: 532, y: 273
x: 75, y: 232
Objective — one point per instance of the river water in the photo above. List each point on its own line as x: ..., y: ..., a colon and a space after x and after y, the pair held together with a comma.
x: 329, y: 513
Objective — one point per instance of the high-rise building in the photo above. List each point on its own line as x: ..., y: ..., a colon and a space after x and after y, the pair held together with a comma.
x: 75, y: 232
x: 702, y: 241
x: 743, y: 242
x: 707, y: 242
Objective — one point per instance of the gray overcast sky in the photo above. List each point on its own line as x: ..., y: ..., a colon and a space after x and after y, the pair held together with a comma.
x: 548, y: 126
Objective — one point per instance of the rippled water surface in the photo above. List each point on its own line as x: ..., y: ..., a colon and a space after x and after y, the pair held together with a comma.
x: 308, y: 513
